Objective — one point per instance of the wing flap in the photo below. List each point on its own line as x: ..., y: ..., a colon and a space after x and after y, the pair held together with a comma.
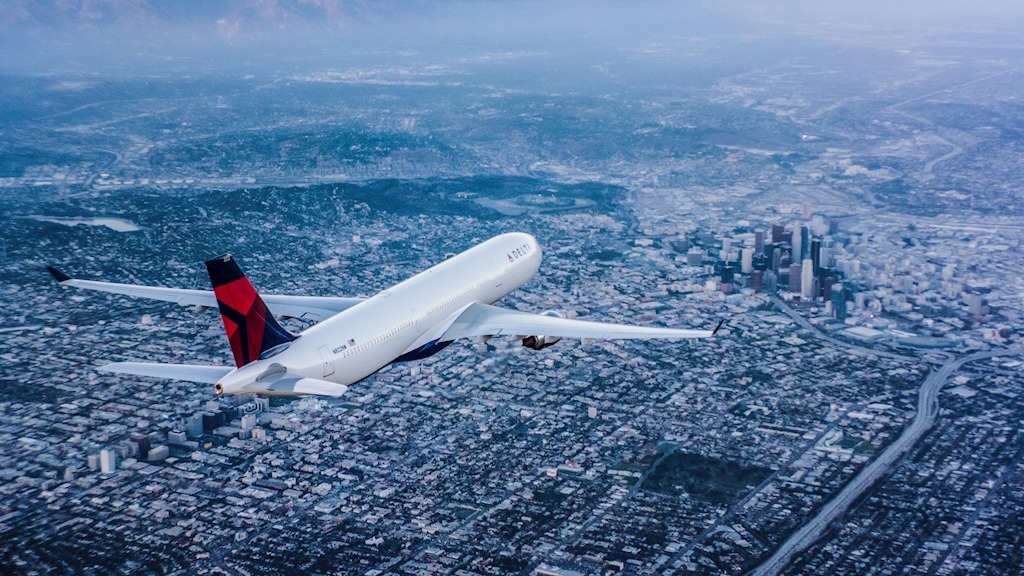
x: 480, y: 319
x: 187, y: 372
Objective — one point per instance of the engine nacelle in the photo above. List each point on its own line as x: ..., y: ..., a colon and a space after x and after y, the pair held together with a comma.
x: 540, y: 342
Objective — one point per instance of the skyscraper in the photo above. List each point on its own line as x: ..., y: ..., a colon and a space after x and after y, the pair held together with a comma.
x: 807, y: 280
x: 727, y: 271
x: 108, y: 461
x: 794, y: 278
x: 815, y: 255
x: 758, y: 241
x: 747, y: 260
x: 805, y: 242
x: 827, y: 283
x: 761, y: 262
x: 839, y: 301
x: 797, y: 252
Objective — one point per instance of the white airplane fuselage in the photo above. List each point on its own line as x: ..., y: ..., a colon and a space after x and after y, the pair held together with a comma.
x: 401, y: 320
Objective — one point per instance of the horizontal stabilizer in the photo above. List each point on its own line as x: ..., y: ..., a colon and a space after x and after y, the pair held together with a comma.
x: 186, y: 372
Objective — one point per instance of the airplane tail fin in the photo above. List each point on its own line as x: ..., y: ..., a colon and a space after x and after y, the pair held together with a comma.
x: 251, y: 328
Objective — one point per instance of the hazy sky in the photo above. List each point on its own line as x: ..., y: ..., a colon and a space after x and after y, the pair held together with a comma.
x: 104, y: 34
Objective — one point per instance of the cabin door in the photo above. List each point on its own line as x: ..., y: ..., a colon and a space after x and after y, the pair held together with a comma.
x: 328, y: 360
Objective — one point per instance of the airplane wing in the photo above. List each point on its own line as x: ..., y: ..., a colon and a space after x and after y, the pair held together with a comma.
x: 480, y: 319
x: 186, y: 372
x: 315, y: 308
x: 287, y: 386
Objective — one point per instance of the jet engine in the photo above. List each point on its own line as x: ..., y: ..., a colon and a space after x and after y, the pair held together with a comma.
x: 540, y: 342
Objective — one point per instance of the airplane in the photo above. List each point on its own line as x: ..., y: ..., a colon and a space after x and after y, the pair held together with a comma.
x: 356, y: 337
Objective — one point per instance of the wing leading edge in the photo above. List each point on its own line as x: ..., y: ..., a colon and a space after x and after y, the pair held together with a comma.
x: 186, y: 372
x: 287, y: 386
x: 315, y: 308
x: 480, y: 319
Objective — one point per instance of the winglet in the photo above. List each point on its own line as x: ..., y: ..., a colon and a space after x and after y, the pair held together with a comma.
x: 720, y: 322
x: 58, y: 275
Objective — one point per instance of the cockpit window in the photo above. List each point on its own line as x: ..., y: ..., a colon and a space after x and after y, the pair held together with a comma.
x: 271, y: 352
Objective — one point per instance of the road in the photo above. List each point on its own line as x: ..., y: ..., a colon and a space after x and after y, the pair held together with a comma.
x: 803, y: 323
x: 927, y: 410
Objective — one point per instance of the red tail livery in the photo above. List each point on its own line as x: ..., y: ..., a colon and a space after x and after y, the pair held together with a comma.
x: 251, y: 328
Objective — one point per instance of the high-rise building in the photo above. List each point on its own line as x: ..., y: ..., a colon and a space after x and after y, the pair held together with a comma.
x: 777, y: 232
x: 794, y: 278
x: 108, y: 461
x: 695, y: 257
x: 839, y: 301
x: 248, y: 421
x: 726, y: 272
x: 833, y: 226
x: 194, y: 425
x: 815, y: 255
x: 143, y: 442
x: 757, y: 280
x: 758, y: 241
x: 805, y: 242
x: 827, y: 284
x: 212, y: 421
x: 761, y: 262
x: 771, y: 282
x: 797, y: 253
x: 747, y: 260
x: 807, y: 280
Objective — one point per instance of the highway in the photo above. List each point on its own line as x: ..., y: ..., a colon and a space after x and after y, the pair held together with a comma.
x: 927, y: 410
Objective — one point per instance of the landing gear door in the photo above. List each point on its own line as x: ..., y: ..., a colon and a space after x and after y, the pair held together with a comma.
x: 328, y: 359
